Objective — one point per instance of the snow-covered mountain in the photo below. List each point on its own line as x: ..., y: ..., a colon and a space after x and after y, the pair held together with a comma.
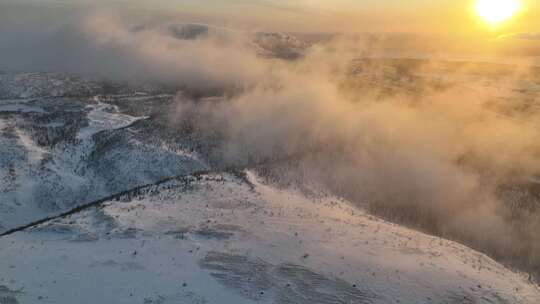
x: 164, y: 221
x: 58, y: 152
x: 279, y: 45
x: 222, y: 238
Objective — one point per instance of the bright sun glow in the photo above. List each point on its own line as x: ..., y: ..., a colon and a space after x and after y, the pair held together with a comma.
x: 497, y: 11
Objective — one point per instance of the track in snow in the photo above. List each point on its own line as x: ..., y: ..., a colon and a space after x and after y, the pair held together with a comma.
x: 96, y: 203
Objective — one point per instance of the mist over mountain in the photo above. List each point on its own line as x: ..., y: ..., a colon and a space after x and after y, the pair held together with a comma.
x: 103, y: 116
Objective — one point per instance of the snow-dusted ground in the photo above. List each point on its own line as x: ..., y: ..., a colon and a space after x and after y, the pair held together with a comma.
x: 53, y: 158
x: 217, y: 238
x: 225, y: 239
x: 33, y: 85
x: 103, y: 117
x: 18, y: 107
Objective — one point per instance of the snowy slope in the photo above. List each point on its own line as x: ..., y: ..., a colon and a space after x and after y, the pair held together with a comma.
x: 225, y: 238
x: 102, y: 117
x: 34, y: 85
x: 56, y: 152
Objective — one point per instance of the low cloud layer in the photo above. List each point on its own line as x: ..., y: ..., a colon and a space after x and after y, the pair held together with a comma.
x: 428, y: 143
x: 106, y: 46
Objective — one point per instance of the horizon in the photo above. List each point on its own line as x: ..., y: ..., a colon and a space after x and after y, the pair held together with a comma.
x: 463, y: 35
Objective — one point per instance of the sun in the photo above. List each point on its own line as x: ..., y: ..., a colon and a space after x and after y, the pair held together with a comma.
x: 497, y: 11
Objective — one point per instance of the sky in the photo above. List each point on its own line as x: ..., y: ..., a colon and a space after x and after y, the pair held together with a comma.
x: 449, y: 17
x: 451, y: 25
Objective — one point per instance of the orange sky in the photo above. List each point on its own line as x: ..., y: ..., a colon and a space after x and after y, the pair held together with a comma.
x: 451, y: 24
x: 449, y: 17
x: 453, y: 17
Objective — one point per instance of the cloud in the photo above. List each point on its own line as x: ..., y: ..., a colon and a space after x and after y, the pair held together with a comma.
x: 429, y: 150
x: 106, y: 46
x: 430, y: 156
x: 521, y: 36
